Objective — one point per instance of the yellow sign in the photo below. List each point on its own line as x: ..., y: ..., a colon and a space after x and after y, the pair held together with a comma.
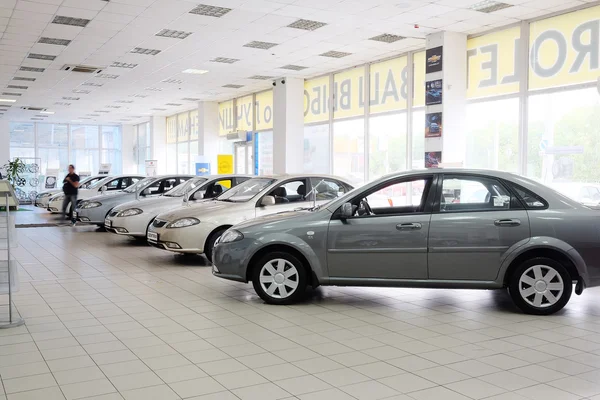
x: 492, y: 69
x: 244, y: 113
x: 349, y: 93
x: 172, y: 129
x: 224, y: 164
x: 183, y: 127
x: 316, y: 100
x: 388, y: 82
x: 225, y: 117
x: 264, y: 110
x: 194, y: 124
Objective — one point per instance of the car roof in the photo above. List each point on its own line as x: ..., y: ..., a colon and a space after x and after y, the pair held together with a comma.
x: 287, y: 176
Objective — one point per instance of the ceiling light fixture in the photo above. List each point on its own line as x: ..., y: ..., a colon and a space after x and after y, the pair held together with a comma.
x: 261, y: 77
x: 146, y: 52
x: 260, y: 45
x: 37, y: 56
x: 173, y: 81
x: 335, y: 54
x: 37, y: 119
x: 11, y: 94
x: 118, y: 64
x: 194, y: 71
x: 159, y: 109
x: 92, y: 84
x: 21, y: 78
x: 225, y: 60
x: 56, y: 41
x: 47, y: 112
x: 101, y: 111
x: 112, y: 106
x: 124, y: 101
x: 141, y: 96
x: 307, y: 24
x: 32, y: 69
x: 387, y: 38
x: 62, y: 20
x: 489, y: 6
x: 210, y: 11
x: 169, y: 33
x: 232, y: 86
x: 153, y: 89
x: 8, y: 100
x: 17, y: 87
x: 107, y: 76
x: 293, y: 67
x: 191, y: 99
x: 173, y: 104
x: 81, y: 91
x: 70, y: 98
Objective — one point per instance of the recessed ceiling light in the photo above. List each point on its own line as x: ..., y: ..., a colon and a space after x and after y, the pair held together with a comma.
x: 153, y: 89
x: 81, y: 22
x: 335, y: 54
x: 92, y: 84
x: 174, y: 81
x: 194, y: 71
x: 70, y: 98
x: 293, y: 67
x: 101, y: 111
x: 387, y: 38
x: 210, y: 11
x: 107, y: 76
x: 32, y: 69
x: 37, y: 56
x: 169, y: 33
x: 112, y: 106
x: 8, y: 100
x: 307, y: 24
x: 21, y: 78
x: 93, y: 115
x: 159, y: 109
x: 147, y: 52
x: 225, y: 60
x: 17, y: 87
x: 191, y: 99
x: 58, y: 42
x: 82, y: 91
x: 118, y: 64
x: 173, y: 104
x: 141, y: 96
x: 47, y: 112
x: 232, y: 86
x: 261, y: 77
x: 11, y: 94
x: 124, y: 101
x: 260, y: 45
x: 489, y: 6
x: 61, y: 103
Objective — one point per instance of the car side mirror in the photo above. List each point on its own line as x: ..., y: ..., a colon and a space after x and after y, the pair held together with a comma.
x: 103, y: 189
x: 346, y: 211
x: 199, y: 195
x: 267, y: 201
x: 145, y: 192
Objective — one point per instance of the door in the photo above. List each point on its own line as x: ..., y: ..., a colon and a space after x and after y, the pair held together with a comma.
x: 386, y: 238
x: 475, y: 223
x: 243, y: 158
x: 289, y: 195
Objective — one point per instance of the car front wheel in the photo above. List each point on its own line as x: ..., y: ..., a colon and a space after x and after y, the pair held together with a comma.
x: 541, y: 286
x: 279, y: 278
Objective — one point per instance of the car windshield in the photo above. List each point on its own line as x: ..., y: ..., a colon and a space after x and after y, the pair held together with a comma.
x: 245, y: 191
x: 137, y: 186
x: 100, y: 183
x: 180, y: 190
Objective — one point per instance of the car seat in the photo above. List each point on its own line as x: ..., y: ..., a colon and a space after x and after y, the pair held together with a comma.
x: 280, y: 195
x: 301, y: 192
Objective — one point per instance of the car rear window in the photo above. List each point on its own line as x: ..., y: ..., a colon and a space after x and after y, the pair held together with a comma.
x: 531, y: 200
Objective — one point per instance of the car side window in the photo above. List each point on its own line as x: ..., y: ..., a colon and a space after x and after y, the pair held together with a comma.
x: 394, y: 198
x: 115, y: 184
x: 289, y: 192
x: 326, y: 189
x: 165, y: 185
x: 241, y: 179
x: 532, y: 201
x: 473, y: 194
x: 133, y: 181
x: 217, y: 188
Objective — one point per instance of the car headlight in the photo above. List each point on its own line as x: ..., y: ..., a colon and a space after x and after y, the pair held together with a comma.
x: 129, y: 212
x: 231, y: 236
x: 183, y: 222
x: 90, y: 204
x: 59, y: 197
x: 44, y: 195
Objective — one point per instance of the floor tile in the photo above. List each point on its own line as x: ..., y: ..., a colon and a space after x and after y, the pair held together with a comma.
x: 266, y: 391
x: 22, y: 384
x: 341, y: 377
x: 327, y: 394
x: 442, y: 375
x: 236, y: 380
x: 281, y: 371
x: 508, y: 380
x: 545, y: 392
x: 378, y: 370
x: 475, y: 388
x: 22, y: 370
x: 78, y: 375
x: 135, y: 381
x: 178, y: 374
x: 53, y: 393
x: 161, y: 392
x: 370, y: 390
x: 87, y: 389
x: 438, y: 393
x: 197, y: 387
x: 303, y: 384
x: 222, y: 366
x: 406, y: 383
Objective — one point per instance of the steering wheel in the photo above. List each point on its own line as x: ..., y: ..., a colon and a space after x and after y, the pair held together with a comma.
x: 364, y: 205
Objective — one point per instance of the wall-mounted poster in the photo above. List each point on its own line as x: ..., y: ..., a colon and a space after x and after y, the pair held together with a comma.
x: 202, y: 169
x: 433, y: 159
x: 151, y: 167
x: 224, y: 164
x: 434, y: 60
x: 433, y: 125
x: 433, y: 92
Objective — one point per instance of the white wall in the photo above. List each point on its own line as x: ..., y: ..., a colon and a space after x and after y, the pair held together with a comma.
x: 4, y: 142
x: 158, y: 128
x: 128, y: 140
x: 288, y: 126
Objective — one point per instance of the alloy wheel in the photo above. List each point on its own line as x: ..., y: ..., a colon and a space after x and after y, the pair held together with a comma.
x: 541, y: 286
x: 279, y: 278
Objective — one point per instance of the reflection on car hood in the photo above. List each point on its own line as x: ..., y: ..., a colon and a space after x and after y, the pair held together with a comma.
x: 198, y: 209
x: 144, y: 203
x: 107, y: 196
x: 273, y: 218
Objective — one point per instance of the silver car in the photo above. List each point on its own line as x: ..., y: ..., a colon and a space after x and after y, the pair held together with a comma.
x: 95, y: 209
x: 450, y: 228
x: 43, y: 199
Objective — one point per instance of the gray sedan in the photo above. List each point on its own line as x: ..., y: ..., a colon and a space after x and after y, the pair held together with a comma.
x: 433, y: 229
x: 95, y: 210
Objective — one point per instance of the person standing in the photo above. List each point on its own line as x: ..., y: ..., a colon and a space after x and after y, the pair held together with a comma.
x: 70, y: 189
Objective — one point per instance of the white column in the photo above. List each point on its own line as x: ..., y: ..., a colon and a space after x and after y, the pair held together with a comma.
x: 452, y: 143
x: 288, y: 126
x: 4, y: 142
x: 127, y: 142
x: 208, y: 133
x: 158, y: 129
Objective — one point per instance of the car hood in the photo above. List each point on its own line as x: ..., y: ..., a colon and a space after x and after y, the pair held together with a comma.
x: 193, y: 210
x: 108, y: 196
x: 273, y: 219
x: 146, y: 203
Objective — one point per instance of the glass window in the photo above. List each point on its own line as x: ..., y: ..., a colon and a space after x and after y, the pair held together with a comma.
x: 387, y: 144
x: 246, y: 190
x: 264, y: 143
x: 194, y: 131
x: 53, y: 158
x: 403, y: 194
x: 418, y: 139
x: 85, y: 160
x: 492, y: 136
x: 52, y: 135
x: 193, y: 157
x: 290, y: 192
x: 172, y: 129
x: 113, y: 157
x: 349, y: 149
x: 531, y: 200
x: 84, y: 137
x: 473, y: 194
x: 316, y: 149
x: 327, y: 189
x: 21, y: 135
x: 172, y: 158
x: 111, y: 137
x: 183, y: 127
x: 183, y: 154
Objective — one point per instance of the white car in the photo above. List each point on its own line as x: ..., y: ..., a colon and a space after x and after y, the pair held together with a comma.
x: 194, y: 229
x: 109, y: 184
x: 587, y: 194
x: 134, y: 217
x: 43, y: 198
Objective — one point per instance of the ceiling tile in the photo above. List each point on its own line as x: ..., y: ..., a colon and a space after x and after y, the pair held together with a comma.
x: 37, y: 7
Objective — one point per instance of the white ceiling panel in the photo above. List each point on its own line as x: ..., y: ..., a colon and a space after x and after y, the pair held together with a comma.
x: 31, y: 6
x: 76, y: 12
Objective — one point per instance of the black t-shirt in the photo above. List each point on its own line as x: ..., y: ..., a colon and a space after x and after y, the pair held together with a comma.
x: 68, y: 188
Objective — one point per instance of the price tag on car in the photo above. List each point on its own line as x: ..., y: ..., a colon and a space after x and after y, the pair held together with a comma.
x: 107, y: 223
x: 152, y: 237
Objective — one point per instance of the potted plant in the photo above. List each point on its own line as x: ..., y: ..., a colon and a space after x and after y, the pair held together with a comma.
x: 12, y: 170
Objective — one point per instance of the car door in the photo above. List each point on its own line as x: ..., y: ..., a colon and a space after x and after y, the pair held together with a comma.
x: 386, y: 238
x: 473, y: 228
x: 289, y: 195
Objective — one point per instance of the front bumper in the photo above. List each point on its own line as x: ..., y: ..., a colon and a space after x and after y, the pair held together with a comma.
x: 92, y: 215
x: 180, y: 240
x: 231, y: 260
x: 128, y: 226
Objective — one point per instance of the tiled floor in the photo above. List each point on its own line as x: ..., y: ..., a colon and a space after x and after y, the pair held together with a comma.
x: 109, y: 319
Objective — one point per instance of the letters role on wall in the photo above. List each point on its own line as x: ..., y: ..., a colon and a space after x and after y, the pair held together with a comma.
x: 261, y: 110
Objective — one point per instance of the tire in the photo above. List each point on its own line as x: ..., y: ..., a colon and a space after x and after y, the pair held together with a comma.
x: 540, y: 286
x: 210, y: 243
x: 270, y: 290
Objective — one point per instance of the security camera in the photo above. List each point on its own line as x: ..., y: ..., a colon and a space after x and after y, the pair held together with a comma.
x: 274, y: 83
x: 283, y: 81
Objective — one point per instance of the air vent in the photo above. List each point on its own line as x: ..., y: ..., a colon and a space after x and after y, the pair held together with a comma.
x: 37, y: 119
x: 159, y: 109
x: 61, y: 20
x: 169, y: 33
x: 293, y: 67
x: 489, y: 6
x: 262, y: 77
x: 37, y: 56
x: 153, y: 89
x: 307, y: 24
x: 335, y: 54
x: 20, y: 78
x: 232, y: 86
x: 140, y: 96
x: 112, y: 106
x: 86, y: 69
x: 70, y: 98
x: 10, y: 94
x: 17, y: 87
x: 124, y: 101
x: 92, y: 84
x: 147, y: 52
x: 173, y: 81
x: 118, y: 64
x: 27, y: 108
x: 93, y: 115
x: 387, y: 38
x: 81, y: 91
x: 58, y: 42
x: 191, y: 99
x: 101, y: 111
x: 173, y: 104
x: 210, y: 11
x: 260, y: 45
x: 107, y: 76
x: 32, y: 69
x: 62, y: 103
x: 42, y: 116
x: 124, y: 119
x: 225, y: 60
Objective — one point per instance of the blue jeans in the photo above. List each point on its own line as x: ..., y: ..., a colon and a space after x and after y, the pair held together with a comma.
x: 69, y: 198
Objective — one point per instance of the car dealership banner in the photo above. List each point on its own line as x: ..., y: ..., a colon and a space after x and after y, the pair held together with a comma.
x: 563, y: 50
x: 261, y: 110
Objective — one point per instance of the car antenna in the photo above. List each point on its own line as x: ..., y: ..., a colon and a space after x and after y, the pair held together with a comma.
x: 314, y: 189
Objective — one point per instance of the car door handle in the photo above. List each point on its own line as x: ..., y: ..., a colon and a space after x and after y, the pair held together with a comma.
x: 507, y: 222
x: 409, y: 226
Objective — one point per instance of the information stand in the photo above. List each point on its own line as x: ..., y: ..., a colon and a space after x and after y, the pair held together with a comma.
x: 8, y: 269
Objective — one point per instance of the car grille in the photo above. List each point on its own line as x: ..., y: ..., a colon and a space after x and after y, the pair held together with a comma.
x: 159, y: 223
x: 113, y: 213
